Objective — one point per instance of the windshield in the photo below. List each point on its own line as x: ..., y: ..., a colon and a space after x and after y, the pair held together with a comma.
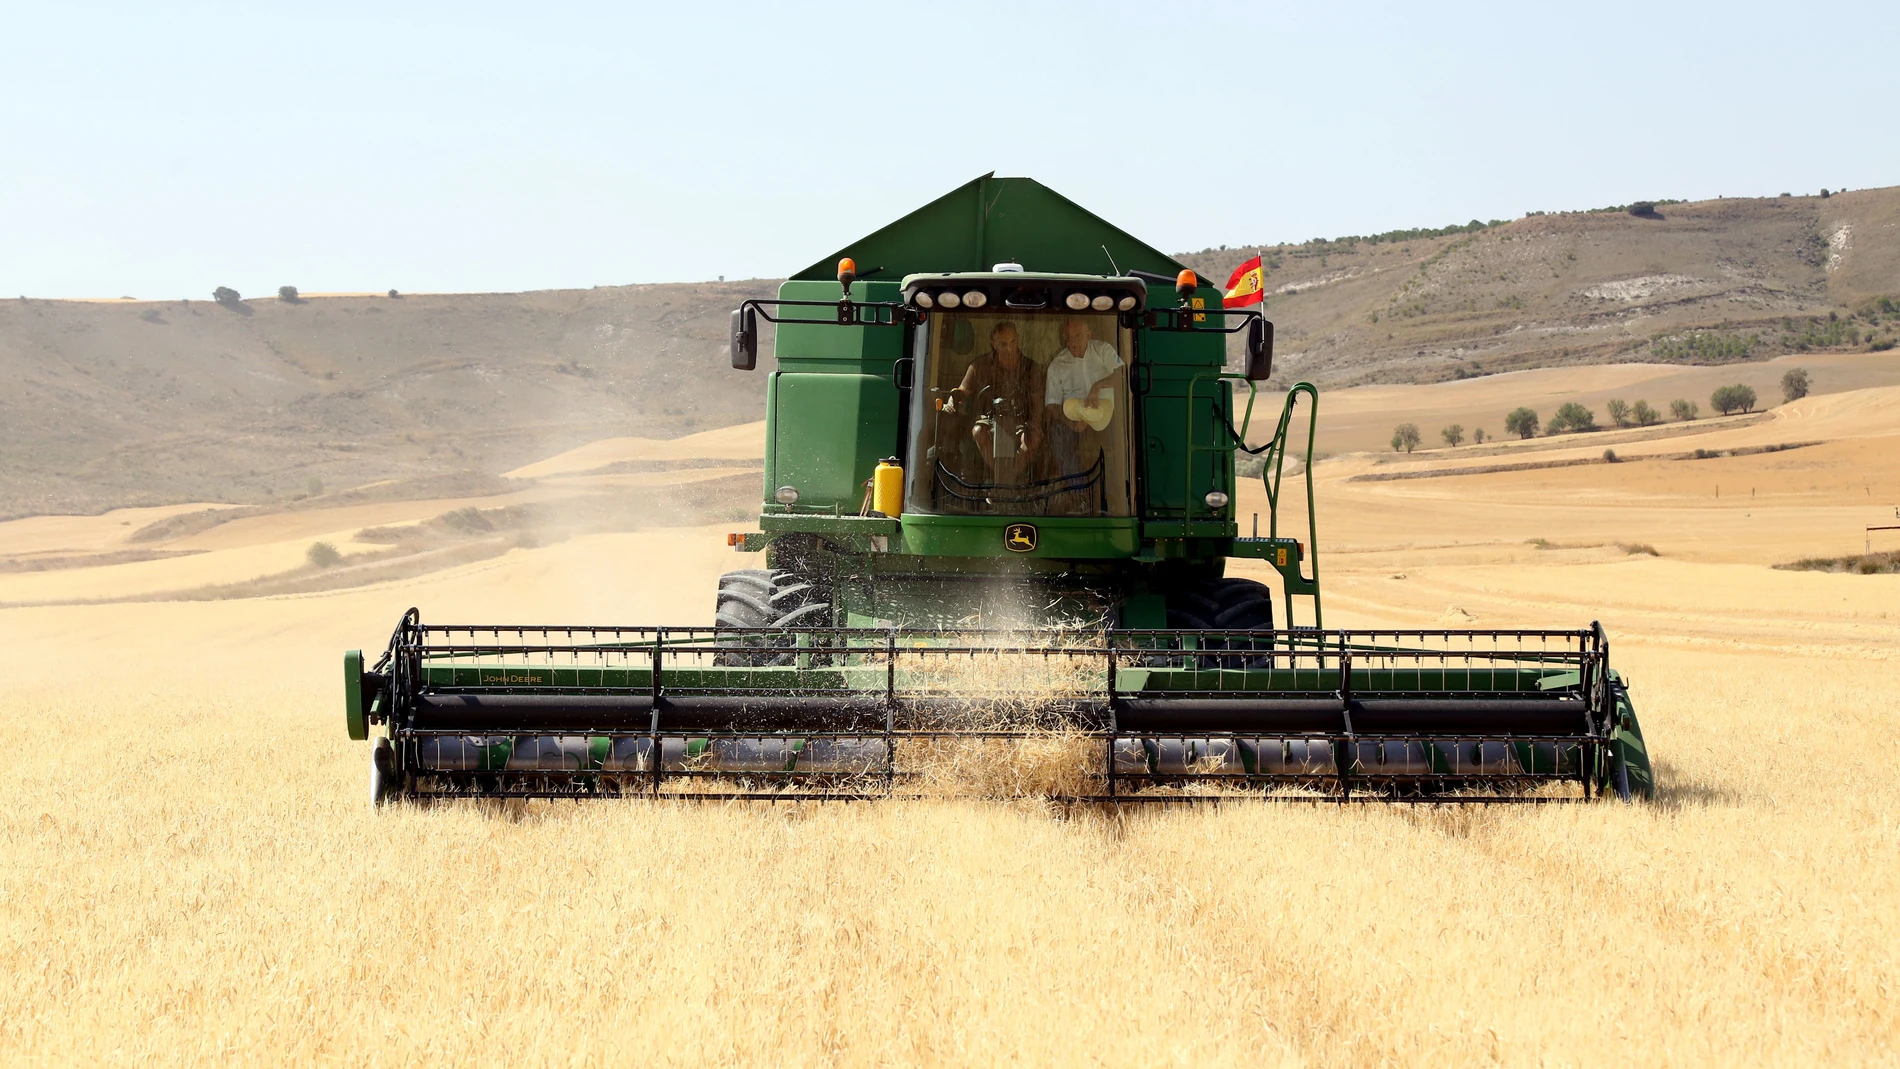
x: 1021, y: 414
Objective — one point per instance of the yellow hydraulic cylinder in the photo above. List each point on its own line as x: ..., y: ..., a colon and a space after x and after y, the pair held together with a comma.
x: 887, y: 487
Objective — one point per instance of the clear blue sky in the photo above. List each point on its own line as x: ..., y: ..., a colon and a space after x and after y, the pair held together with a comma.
x: 163, y: 150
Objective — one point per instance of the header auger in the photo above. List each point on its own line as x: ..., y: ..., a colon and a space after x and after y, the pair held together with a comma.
x: 997, y: 510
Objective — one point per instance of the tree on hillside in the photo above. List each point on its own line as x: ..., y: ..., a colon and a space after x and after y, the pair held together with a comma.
x: 1732, y: 399
x: 288, y: 295
x: 1453, y: 435
x: 1477, y: 436
x: 1619, y: 411
x: 1405, y: 436
x: 1572, y: 416
x: 1682, y: 410
x: 1794, y: 385
x: 225, y: 295
x: 1521, y: 422
x: 1644, y: 415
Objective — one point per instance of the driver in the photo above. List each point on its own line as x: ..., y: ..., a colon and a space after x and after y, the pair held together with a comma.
x: 1003, y: 389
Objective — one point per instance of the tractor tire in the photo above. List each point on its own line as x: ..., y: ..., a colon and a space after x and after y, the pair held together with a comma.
x: 755, y: 598
x: 1224, y: 605
x: 385, y: 783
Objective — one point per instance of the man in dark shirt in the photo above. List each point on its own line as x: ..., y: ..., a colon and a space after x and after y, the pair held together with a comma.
x: 1003, y: 392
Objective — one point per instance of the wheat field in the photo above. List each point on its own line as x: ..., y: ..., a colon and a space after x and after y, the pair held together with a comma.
x: 190, y: 874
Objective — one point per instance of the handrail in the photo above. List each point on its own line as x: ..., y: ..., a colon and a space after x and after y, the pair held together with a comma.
x: 1272, y: 475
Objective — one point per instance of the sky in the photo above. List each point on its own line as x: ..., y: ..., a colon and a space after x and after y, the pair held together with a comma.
x: 163, y: 150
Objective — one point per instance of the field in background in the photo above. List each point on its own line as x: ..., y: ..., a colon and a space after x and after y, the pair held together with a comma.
x: 191, y: 872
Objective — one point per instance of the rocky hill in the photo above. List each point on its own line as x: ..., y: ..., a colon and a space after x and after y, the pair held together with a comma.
x: 1707, y: 282
x: 114, y: 403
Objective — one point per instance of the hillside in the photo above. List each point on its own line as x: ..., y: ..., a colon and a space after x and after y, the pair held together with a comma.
x: 1708, y: 282
x: 126, y: 403
x: 129, y: 403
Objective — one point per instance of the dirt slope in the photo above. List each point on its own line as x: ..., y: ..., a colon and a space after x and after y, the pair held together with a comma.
x: 1760, y: 276
x: 113, y: 404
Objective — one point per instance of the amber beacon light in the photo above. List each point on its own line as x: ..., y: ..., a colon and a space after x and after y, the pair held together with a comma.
x: 1185, y: 284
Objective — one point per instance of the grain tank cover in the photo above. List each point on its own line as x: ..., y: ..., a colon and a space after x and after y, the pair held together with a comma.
x: 998, y: 220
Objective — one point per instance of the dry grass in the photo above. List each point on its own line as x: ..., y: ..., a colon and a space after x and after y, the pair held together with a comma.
x: 192, y: 876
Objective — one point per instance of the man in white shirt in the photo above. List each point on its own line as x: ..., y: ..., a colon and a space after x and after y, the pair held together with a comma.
x: 1084, y: 373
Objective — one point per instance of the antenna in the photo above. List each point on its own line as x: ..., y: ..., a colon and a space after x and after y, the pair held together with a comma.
x: 1111, y: 261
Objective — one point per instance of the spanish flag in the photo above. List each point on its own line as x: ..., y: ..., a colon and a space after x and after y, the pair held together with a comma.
x: 1247, y: 285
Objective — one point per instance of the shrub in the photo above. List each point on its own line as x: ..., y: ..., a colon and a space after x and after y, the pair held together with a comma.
x: 1572, y: 416
x: 323, y: 555
x: 1405, y: 436
x: 393, y: 293
x: 1477, y: 436
x: 1619, y: 411
x: 1682, y: 410
x: 1609, y: 456
x: 1645, y: 209
x: 1882, y: 345
x: 1703, y: 346
x: 225, y: 295
x: 288, y: 295
x: 1644, y: 415
x: 469, y: 520
x: 1732, y: 398
x: 1453, y: 435
x: 1794, y: 385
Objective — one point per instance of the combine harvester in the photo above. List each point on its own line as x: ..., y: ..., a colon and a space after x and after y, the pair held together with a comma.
x: 998, y: 508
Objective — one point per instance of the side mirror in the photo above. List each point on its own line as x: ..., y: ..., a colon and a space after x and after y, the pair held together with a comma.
x: 1260, y: 350
x: 745, y: 338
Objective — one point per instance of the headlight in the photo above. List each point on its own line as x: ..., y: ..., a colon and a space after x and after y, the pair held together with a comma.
x: 1216, y: 500
x: 975, y: 299
x: 948, y: 299
x: 786, y: 495
x: 1102, y: 303
x: 1127, y: 304
x: 924, y: 300
x: 1077, y: 301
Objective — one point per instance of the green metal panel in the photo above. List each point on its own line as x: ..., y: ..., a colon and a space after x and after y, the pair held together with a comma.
x: 353, y: 714
x: 1067, y: 538
x: 992, y: 220
x: 771, y: 423
x: 830, y: 347
x: 829, y: 431
x: 1169, y: 363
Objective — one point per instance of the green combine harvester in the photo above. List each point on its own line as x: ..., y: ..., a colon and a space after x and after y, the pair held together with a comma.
x: 999, y: 507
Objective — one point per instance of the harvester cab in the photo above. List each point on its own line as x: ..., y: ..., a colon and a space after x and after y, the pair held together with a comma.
x: 999, y: 502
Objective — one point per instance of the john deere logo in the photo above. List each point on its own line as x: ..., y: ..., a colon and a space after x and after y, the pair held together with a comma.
x: 1020, y: 537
